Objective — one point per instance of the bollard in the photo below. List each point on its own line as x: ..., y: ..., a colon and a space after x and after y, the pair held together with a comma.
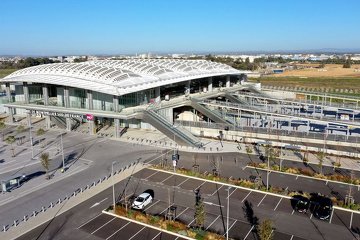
x: 94, y: 184
x: 51, y: 205
x: 59, y: 201
x: 34, y: 213
x: 42, y: 209
x: 25, y: 218
x: 81, y: 190
x: 4, y: 228
x: 15, y: 223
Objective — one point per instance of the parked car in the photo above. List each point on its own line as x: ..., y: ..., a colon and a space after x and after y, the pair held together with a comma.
x: 301, y: 203
x: 142, y: 201
x: 323, y: 208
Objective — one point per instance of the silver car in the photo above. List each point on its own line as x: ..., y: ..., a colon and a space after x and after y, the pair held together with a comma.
x: 142, y: 201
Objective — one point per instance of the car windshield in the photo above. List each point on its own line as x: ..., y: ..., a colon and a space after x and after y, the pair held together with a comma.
x: 139, y: 199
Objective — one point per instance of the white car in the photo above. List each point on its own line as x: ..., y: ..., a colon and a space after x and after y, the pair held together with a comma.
x: 142, y: 201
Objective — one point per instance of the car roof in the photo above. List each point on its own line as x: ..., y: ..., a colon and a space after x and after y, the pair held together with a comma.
x: 144, y: 195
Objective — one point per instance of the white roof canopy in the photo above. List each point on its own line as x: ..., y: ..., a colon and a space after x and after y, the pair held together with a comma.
x: 119, y: 77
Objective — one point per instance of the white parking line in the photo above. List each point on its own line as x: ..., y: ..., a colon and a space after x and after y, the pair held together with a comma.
x: 191, y: 222
x: 293, y: 212
x: 246, y: 196
x: 292, y: 236
x: 332, y: 213
x: 151, y: 175
x: 167, y: 178
x: 262, y: 200
x: 165, y: 209
x: 351, y: 219
x: 137, y: 233
x: 249, y: 232
x: 213, y: 222
x: 103, y: 225
x: 311, y: 216
x: 156, y: 235
x: 217, y: 190
x: 231, y: 193
x: 278, y: 203
x: 183, y: 182
x: 88, y: 221
x: 182, y: 212
x: 117, y: 231
x: 145, y: 209
x: 232, y: 225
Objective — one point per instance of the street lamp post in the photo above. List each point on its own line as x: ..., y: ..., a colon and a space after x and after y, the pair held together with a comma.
x: 31, y: 143
x: 113, y: 184
x: 227, y: 213
x: 62, y: 153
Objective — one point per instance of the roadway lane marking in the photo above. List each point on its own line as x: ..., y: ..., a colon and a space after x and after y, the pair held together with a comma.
x: 252, y: 227
x: 212, y: 222
x: 217, y: 190
x: 278, y: 204
x: 117, y: 231
x: 98, y: 203
x: 137, y: 233
x: 332, y: 213
x: 246, y: 196
x: 151, y: 175
x: 183, y: 182
x: 167, y: 178
x: 262, y: 200
x: 151, y: 205
x: 103, y: 225
x: 231, y: 193
x: 182, y: 212
x: 89, y: 221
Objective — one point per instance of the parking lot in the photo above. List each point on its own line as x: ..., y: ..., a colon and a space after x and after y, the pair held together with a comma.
x: 247, y: 208
x: 108, y: 227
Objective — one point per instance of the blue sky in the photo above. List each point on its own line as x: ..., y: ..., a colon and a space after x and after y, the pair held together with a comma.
x: 44, y: 27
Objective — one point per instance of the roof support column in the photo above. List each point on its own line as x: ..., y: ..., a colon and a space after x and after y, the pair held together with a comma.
x: 187, y: 85
x: 68, y: 124
x: 92, y: 129
x: 26, y: 92
x: 28, y: 119
x: 66, y: 97
x: 11, y: 115
x: 8, y: 91
x: 117, y: 127
x: 227, y: 81
x: 116, y: 103
x: 47, y: 122
x: 210, y: 84
x: 90, y: 100
x: 157, y: 94
x: 45, y: 94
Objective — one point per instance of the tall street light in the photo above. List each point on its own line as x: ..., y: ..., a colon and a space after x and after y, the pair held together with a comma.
x: 227, y: 213
x: 62, y: 152
x: 31, y: 143
x: 113, y: 183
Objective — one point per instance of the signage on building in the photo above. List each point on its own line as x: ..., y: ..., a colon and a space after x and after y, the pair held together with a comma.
x: 89, y: 117
x: 57, y: 114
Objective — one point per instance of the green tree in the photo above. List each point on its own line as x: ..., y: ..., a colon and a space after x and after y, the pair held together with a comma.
x: 2, y: 127
x: 347, y: 64
x: 45, y: 162
x: 321, y: 157
x: 10, y: 140
x: 200, y: 214
x: 265, y: 230
x: 20, y: 129
x: 40, y: 132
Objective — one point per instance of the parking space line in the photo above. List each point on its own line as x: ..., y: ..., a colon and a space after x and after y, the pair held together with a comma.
x: 137, y: 233
x: 217, y: 190
x: 183, y: 182
x: 167, y: 178
x: 191, y: 222
x: 232, y: 224
x: 231, y: 193
x: 118, y: 230
x: 252, y: 227
x: 151, y: 205
x: 200, y: 185
x: 88, y: 221
x: 262, y: 200
x: 212, y: 222
x: 182, y: 212
x: 332, y: 213
x: 292, y: 236
x: 246, y: 196
x: 293, y: 212
x: 103, y: 226
x: 311, y: 216
x: 151, y: 175
x: 156, y: 235
x: 351, y: 219
x: 278, y: 204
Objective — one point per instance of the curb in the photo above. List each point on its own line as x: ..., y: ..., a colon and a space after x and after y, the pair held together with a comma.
x: 147, y: 225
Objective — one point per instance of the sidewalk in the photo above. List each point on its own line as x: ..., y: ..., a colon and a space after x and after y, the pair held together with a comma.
x: 157, y: 139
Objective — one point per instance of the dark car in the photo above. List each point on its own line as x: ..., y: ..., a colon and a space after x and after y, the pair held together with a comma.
x: 301, y: 203
x: 323, y: 208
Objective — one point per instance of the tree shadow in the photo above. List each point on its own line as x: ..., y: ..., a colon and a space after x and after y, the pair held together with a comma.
x: 251, y: 218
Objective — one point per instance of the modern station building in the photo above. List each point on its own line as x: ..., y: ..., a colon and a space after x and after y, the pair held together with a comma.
x: 109, y: 92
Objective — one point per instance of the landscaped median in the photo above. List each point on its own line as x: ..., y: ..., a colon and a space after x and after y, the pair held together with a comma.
x: 173, y: 227
x: 246, y: 184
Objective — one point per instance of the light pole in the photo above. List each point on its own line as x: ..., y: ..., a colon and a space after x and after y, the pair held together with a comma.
x: 227, y: 213
x: 62, y: 152
x: 113, y: 184
x: 31, y: 143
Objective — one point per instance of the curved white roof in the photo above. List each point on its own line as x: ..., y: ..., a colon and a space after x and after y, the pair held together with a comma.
x: 119, y: 77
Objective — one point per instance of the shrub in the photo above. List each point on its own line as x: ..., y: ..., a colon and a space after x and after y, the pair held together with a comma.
x: 292, y: 170
x: 306, y: 172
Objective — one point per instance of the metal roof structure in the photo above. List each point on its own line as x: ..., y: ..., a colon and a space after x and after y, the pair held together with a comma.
x: 119, y: 77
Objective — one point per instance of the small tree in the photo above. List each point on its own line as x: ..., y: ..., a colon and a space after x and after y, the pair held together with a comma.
x: 2, y: 126
x: 265, y: 230
x: 10, y: 140
x: 321, y: 156
x: 20, y: 129
x: 40, y: 132
x: 200, y: 214
x: 45, y: 162
x: 347, y: 64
